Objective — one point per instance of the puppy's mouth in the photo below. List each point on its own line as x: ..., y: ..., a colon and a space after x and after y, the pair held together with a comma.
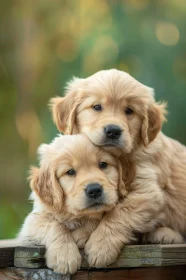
x: 96, y: 205
x: 112, y: 144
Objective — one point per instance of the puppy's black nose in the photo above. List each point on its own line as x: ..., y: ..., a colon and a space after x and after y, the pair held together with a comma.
x: 112, y: 131
x: 93, y: 190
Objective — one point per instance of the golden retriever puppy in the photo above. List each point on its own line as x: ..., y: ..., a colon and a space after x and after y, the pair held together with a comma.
x: 119, y: 113
x: 76, y: 183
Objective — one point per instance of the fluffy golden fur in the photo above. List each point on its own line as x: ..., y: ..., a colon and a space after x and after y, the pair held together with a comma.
x: 64, y: 216
x: 153, y: 165
x: 115, y: 91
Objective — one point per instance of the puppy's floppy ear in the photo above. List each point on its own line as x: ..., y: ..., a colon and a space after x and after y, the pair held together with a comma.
x: 152, y: 122
x: 121, y: 185
x: 44, y: 183
x: 64, y: 112
x: 64, y: 108
x: 127, y: 171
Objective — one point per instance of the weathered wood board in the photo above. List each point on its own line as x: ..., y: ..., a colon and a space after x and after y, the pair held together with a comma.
x: 152, y: 273
x: 6, y: 257
x: 143, y: 262
x: 131, y: 256
x: 29, y: 257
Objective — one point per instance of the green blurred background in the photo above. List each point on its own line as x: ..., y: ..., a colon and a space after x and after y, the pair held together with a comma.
x: 44, y: 43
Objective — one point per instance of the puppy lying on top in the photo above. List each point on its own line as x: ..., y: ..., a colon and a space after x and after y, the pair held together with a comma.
x: 121, y: 115
x: 74, y: 186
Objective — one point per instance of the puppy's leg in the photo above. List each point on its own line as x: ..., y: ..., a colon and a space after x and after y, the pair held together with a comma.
x: 82, y: 234
x: 163, y: 235
x: 62, y: 254
x: 136, y: 213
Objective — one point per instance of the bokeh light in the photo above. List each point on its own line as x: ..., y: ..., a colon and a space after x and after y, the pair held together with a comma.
x: 167, y: 33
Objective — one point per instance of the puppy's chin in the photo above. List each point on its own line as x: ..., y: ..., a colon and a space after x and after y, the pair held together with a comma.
x: 114, y: 150
x: 92, y: 210
x: 115, y: 147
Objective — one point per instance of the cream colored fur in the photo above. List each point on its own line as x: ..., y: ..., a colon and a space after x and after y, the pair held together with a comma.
x: 154, y: 166
x: 62, y: 220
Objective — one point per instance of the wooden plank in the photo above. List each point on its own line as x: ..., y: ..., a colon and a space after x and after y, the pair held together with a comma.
x: 153, y: 251
x: 32, y: 257
x: 149, y: 255
x: 7, y: 252
x: 6, y: 257
x: 156, y: 273
x: 13, y: 273
x: 131, y: 256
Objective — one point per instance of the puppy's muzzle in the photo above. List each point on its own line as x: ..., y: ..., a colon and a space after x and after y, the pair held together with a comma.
x: 112, y: 131
x: 93, y: 191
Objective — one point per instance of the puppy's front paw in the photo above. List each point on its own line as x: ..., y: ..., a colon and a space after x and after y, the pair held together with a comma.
x: 63, y: 258
x: 101, y: 249
x: 162, y: 235
x: 80, y: 237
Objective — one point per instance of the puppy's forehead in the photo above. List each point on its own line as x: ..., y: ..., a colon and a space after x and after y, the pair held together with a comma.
x: 77, y: 148
x: 115, y: 84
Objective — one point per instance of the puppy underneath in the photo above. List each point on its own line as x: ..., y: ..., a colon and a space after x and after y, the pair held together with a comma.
x: 74, y: 186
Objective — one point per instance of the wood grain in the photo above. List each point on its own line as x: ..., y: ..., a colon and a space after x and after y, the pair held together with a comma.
x: 32, y: 257
x: 131, y: 256
x: 153, y: 273
x: 136, y: 262
x: 6, y: 257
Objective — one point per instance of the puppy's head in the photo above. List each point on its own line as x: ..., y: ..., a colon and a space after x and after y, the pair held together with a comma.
x: 112, y: 108
x: 77, y: 177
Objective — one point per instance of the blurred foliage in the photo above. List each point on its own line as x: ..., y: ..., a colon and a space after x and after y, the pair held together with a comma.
x: 44, y: 43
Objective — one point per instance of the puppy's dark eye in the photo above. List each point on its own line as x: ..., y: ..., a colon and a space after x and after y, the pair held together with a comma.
x: 103, y: 165
x: 129, y: 111
x: 97, y: 107
x: 71, y: 172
